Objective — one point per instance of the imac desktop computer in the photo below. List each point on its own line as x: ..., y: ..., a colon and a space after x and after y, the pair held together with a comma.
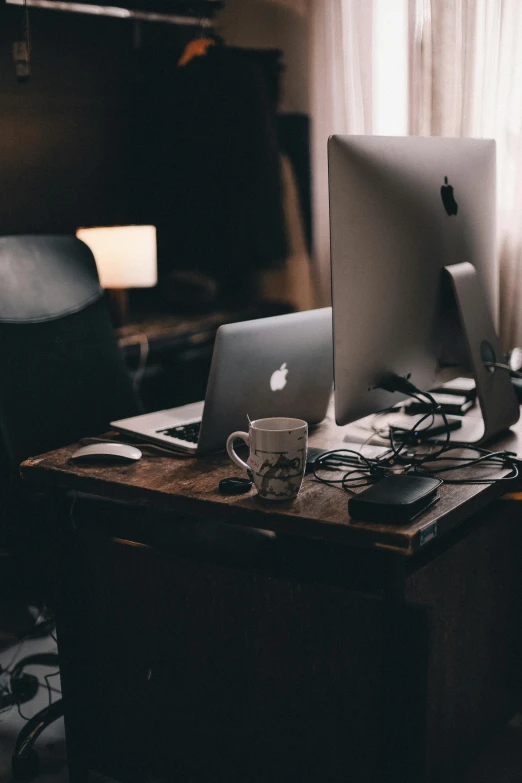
x: 414, y: 273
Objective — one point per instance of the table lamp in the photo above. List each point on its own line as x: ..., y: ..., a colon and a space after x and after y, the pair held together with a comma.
x: 125, y: 258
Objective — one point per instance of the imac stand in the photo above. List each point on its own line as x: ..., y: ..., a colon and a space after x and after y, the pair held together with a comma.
x: 495, y: 392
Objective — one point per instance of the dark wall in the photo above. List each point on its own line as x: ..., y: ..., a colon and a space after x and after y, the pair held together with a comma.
x: 72, y: 146
x: 100, y: 134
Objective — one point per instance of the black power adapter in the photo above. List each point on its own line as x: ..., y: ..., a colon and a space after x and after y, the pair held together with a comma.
x: 23, y: 689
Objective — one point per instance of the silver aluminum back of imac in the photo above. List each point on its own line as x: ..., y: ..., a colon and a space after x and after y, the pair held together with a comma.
x: 401, y: 209
x: 497, y: 399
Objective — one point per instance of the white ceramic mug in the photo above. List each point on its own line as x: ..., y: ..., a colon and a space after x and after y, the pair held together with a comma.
x: 277, y: 460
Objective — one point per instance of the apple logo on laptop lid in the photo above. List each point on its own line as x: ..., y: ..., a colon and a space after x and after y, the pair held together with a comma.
x: 278, y: 378
x: 448, y: 199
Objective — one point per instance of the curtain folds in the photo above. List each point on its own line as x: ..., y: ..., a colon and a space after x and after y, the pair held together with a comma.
x: 340, y: 99
x: 466, y: 80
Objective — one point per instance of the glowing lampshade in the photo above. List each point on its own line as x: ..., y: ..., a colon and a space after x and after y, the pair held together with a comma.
x: 125, y: 255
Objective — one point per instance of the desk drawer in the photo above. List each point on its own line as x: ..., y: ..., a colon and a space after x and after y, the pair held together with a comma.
x: 193, y: 671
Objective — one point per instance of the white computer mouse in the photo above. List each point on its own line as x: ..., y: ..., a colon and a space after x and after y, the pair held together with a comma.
x: 107, y: 452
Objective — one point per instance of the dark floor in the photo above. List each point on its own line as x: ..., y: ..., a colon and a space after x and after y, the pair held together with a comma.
x: 51, y: 744
x: 500, y: 762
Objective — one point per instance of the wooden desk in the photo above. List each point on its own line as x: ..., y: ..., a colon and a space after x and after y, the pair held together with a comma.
x: 194, y: 650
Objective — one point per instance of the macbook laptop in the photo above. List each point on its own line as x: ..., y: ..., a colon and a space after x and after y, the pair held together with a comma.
x: 276, y: 366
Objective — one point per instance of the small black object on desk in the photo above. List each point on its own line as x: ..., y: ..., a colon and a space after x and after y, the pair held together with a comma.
x: 397, y: 499
x: 235, y: 485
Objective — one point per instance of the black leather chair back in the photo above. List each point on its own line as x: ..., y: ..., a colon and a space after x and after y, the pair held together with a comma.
x: 62, y: 375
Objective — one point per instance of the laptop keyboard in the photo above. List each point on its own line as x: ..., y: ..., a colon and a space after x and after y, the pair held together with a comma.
x: 188, y: 432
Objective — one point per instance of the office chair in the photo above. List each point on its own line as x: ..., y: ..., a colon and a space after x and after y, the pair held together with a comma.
x: 62, y: 377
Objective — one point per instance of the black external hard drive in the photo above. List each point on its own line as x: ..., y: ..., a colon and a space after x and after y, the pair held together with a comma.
x: 395, y: 500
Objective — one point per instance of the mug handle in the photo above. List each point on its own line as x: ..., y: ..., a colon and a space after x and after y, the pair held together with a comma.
x: 230, y: 448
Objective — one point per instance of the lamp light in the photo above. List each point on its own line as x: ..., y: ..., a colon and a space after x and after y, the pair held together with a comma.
x: 125, y: 258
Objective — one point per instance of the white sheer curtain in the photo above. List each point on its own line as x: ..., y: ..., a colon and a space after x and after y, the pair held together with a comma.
x: 340, y: 99
x: 466, y: 80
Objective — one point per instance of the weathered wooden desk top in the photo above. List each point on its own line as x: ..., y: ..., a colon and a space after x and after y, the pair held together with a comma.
x: 187, y: 485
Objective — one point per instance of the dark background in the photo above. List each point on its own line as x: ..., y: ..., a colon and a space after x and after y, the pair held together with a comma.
x: 73, y: 148
x: 80, y: 140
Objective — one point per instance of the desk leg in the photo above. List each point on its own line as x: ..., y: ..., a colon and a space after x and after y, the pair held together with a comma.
x: 77, y: 773
x: 468, y: 599
x: 72, y: 663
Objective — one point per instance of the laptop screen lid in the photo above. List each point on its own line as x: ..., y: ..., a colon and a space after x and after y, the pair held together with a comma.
x: 276, y: 366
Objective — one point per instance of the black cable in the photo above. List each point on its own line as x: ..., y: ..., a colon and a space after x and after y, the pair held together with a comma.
x: 364, y: 471
x: 415, y: 428
x: 500, y: 459
x: 24, y: 717
x: 372, y: 469
x: 49, y: 689
x: 502, y: 366
x: 34, y: 727
x: 397, y: 451
x: 505, y: 459
x: 8, y: 669
x: 39, y: 629
x: 358, y: 476
x: 397, y: 383
x: 436, y: 408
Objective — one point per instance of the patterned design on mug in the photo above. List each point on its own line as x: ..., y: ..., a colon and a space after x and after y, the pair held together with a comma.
x: 281, y: 473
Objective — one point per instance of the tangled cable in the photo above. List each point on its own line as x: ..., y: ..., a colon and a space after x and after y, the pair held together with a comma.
x: 359, y: 470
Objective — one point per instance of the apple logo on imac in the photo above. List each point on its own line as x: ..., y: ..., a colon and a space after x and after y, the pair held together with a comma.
x: 278, y: 378
x: 448, y: 199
